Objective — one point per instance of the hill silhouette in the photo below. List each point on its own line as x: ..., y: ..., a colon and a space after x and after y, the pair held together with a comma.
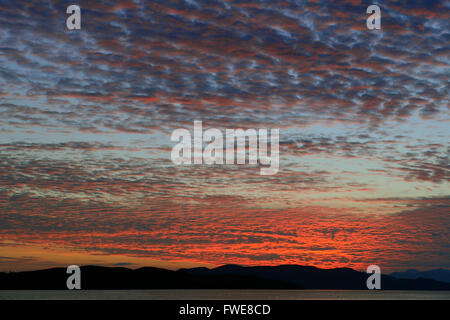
x: 316, y: 278
x: 442, y: 275
x: 224, y: 277
x: 96, y: 277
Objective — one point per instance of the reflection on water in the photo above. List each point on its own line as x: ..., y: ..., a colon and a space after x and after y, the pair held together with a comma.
x: 222, y: 295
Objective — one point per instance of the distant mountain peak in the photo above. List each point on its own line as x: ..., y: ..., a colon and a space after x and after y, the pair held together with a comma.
x: 440, y: 274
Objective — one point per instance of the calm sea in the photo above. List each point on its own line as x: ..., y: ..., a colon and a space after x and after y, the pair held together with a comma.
x: 222, y: 295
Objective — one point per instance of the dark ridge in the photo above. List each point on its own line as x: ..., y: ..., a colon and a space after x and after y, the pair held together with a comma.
x: 442, y: 275
x: 95, y: 277
x: 223, y: 277
x: 316, y: 278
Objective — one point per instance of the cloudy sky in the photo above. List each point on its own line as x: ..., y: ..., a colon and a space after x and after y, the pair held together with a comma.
x: 86, y: 117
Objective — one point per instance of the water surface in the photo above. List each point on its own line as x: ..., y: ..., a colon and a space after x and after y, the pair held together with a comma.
x: 222, y: 295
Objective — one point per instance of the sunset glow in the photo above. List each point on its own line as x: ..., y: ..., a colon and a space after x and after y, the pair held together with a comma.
x: 86, y: 175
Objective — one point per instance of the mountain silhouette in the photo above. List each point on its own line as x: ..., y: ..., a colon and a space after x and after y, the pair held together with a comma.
x: 224, y: 277
x: 96, y: 277
x: 316, y: 278
x: 442, y: 275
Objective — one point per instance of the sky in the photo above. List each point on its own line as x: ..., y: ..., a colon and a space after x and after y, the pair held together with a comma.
x: 86, y: 118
